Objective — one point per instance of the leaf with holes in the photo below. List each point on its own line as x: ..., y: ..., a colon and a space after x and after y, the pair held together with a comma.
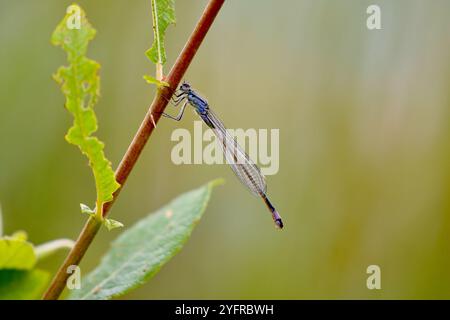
x: 140, y: 252
x: 80, y: 84
x: 163, y: 12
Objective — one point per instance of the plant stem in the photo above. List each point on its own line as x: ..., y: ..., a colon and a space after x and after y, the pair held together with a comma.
x: 159, y: 71
x: 74, y: 257
x: 130, y: 158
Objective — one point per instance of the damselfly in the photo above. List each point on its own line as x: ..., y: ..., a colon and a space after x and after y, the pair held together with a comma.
x: 244, y: 168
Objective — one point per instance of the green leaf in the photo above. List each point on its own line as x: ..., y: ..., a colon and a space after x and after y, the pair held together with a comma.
x: 1, y: 220
x: 152, y: 80
x: 86, y: 209
x: 140, y: 252
x: 80, y: 84
x: 112, y: 224
x: 19, y: 235
x: 16, y: 253
x: 163, y: 12
x: 22, y: 285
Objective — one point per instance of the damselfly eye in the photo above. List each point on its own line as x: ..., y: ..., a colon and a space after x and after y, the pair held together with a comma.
x: 185, y: 87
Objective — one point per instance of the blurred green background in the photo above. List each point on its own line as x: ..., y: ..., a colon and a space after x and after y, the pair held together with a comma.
x: 364, y: 143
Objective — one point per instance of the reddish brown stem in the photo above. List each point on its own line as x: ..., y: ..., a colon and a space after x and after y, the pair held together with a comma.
x: 137, y: 145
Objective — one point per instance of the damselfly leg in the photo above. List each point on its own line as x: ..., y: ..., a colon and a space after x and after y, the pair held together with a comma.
x: 176, y: 100
x: 180, y: 115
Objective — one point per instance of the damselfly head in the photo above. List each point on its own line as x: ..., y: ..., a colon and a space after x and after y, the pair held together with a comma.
x: 185, y: 87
